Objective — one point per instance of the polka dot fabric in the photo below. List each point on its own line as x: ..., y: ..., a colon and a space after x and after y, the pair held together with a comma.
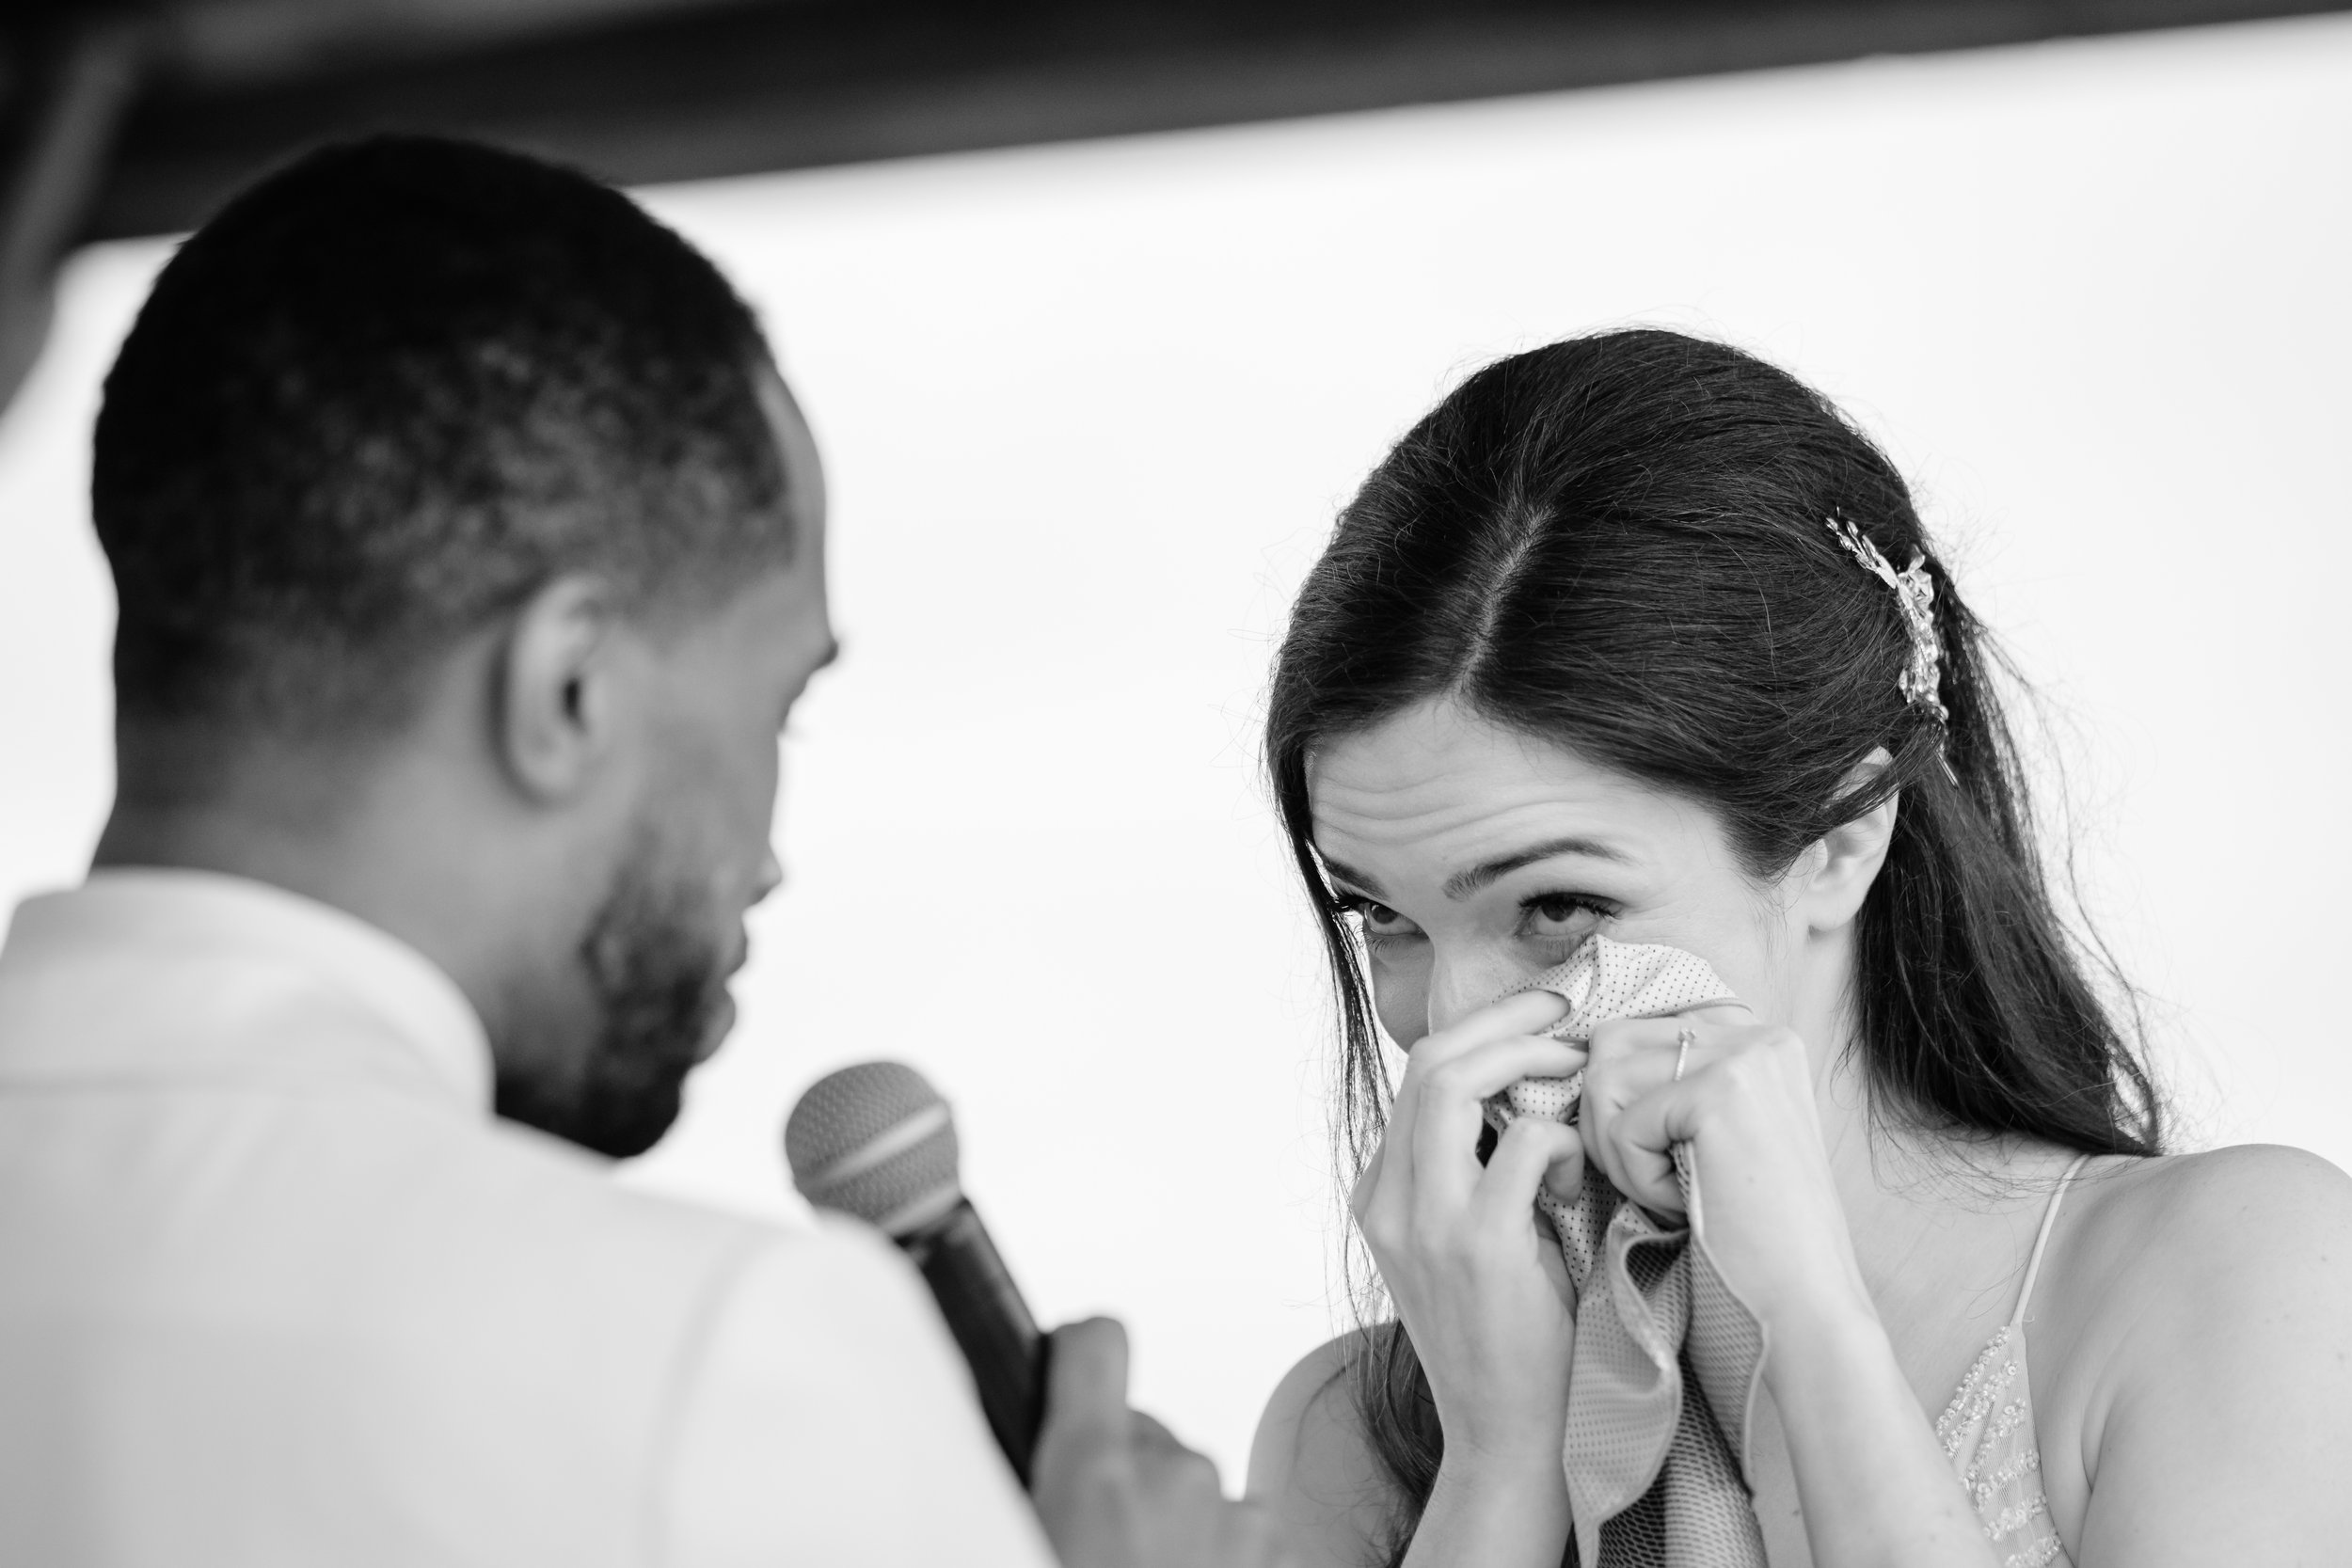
x: 1667, y: 1357
x: 1602, y: 981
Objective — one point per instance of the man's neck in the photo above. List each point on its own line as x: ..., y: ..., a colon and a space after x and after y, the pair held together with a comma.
x: 387, y: 842
x: 296, y: 816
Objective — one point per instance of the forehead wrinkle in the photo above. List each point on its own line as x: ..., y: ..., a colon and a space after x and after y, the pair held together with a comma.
x: 1454, y: 802
x: 1495, y: 848
x: 1463, y: 883
x: 1476, y: 844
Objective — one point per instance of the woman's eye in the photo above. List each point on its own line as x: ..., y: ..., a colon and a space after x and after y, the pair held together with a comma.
x: 1378, y: 920
x: 1555, y: 915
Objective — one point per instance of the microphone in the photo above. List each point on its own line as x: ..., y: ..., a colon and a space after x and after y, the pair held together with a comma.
x: 877, y: 1142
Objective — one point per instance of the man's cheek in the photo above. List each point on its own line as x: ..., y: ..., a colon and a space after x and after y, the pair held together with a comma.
x: 754, y: 844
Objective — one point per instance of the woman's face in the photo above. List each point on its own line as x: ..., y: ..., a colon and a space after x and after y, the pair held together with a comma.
x: 1477, y: 858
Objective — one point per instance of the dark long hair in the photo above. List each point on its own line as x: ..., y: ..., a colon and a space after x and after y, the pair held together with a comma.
x: 1619, y: 544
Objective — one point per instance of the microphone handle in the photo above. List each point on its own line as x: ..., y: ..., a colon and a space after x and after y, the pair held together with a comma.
x: 990, y: 1323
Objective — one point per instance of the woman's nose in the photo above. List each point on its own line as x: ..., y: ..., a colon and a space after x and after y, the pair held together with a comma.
x: 1461, y: 983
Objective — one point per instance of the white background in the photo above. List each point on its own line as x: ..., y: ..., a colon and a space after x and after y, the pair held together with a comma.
x: 1088, y: 410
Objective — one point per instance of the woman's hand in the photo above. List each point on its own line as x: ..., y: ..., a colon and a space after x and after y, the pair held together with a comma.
x: 1768, y: 1209
x: 1478, y: 1282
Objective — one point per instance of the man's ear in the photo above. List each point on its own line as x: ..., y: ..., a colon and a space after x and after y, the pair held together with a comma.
x: 554, y: 726
x: 1847, y: 859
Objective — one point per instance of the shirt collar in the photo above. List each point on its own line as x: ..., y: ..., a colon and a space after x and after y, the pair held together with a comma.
x: 209, y: 910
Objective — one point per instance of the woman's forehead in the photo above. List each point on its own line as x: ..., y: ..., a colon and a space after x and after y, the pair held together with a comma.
x: 1437, y: 750
x: 1437, y: 781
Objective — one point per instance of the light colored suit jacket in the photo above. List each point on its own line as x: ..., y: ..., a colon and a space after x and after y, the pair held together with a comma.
x: 276, y: 1290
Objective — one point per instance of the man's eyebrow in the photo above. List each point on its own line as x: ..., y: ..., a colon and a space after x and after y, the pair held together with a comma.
x: 1463, y: 883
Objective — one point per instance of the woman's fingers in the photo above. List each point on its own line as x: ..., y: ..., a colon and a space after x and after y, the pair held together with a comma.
x: 1493, y: 1311
x: 1632, y: 1060
x: 1625, y: 1064
x: 1645, y: 1091
x: 1531, y: 1154
x: 1527, y: 1013
x: 1524, y: 1013
x: 1426, y: 1166
x: 1451, y: 1108
x: 1643, y: 1135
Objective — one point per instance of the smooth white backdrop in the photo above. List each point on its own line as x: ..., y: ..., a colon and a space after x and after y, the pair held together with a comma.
x: 1087, y: 411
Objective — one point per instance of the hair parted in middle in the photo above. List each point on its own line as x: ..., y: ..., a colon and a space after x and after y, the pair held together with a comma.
x: 1617, y: 543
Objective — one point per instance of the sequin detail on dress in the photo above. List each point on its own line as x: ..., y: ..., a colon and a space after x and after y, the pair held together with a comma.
x: 1988, y: 1432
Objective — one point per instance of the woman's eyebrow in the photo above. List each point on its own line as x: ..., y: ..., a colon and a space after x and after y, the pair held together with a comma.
x: 1349, y: 874
x: 1463, y: 883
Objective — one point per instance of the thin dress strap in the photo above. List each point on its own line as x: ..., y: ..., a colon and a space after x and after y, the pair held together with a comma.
x: 2049, y: 1218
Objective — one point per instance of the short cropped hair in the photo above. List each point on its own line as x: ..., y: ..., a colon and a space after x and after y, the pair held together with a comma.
x: 386, y: 394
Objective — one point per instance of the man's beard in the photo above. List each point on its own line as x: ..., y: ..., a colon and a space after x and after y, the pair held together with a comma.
x: 659, y: 981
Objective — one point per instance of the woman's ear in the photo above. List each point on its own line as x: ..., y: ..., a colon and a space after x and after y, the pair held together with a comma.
x: 1839, y: 870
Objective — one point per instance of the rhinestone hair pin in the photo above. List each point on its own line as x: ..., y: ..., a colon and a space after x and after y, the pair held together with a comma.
x: 1915, y: 592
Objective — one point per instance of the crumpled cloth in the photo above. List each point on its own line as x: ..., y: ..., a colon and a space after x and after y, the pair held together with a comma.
x: 1668, y: 1358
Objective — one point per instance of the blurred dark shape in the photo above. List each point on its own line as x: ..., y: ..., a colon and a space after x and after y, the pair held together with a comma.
x: 65, y: 81
x: 651, y: 90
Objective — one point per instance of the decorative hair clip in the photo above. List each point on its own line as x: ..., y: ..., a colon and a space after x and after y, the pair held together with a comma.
x: 1915, y: 592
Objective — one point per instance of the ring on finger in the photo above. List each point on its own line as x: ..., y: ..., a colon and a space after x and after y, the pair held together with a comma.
x: 1682, y: 1051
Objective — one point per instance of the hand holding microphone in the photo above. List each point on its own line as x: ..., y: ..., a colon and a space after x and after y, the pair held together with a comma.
x: 1113, y: 1487
x: 1116, y: 1489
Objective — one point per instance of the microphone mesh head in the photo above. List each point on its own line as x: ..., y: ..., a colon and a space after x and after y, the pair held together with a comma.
x: 874, y: 1141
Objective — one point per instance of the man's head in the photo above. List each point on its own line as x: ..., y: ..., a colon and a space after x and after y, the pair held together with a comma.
x: 470, y: 554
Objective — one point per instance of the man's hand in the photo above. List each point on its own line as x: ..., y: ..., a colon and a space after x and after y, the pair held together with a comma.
x: 1115, y: 1488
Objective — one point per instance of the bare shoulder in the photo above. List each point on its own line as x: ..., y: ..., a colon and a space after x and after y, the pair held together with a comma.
x: 2231, y: 1268
x: 1313, y: 1464
x: 2203, y: 1361
x: 2262, y: 1207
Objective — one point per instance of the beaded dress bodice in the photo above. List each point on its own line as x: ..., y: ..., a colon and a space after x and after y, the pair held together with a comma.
x: 1988, y: 1432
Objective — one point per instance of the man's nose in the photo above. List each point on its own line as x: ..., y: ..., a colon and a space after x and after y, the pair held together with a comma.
x: 771, y: 876
x: 1460, y: 983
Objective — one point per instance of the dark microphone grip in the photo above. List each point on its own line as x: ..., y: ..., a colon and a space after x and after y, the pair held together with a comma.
x: 990, y: 1323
